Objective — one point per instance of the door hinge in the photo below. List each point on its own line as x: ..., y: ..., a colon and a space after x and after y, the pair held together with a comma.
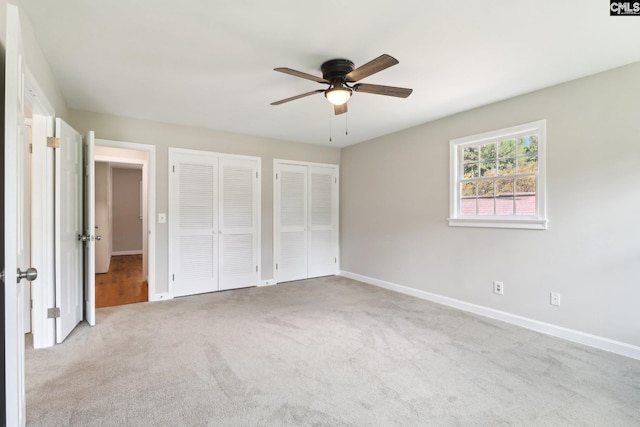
x: 31, y: 304
x: 173, y: 277
x: 335, y: 260
x: 336, y: 180
x: 276, y: 266
x: 30, y: 148
x: 174, y: 168
x: 256, y: 268
x: 276, y: 176
x: 256, y: 175
x: 53, y: 313
x: 53, y: 142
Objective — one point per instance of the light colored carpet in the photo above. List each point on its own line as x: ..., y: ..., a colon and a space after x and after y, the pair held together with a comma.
x: 321, y: 352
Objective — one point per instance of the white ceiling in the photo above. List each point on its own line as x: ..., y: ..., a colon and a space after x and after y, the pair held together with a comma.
x: 209, y: 63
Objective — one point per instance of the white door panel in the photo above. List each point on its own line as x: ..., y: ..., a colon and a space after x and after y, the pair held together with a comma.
x: 305, y: 220
x: 69, y: 251
x: 13, y: 292
x: 322, y: 257
x: 89, y: 213
x: 194, y: 222
x: 214, y: 222
x: 292, y: 260
x: 323, y: 229
x: 24, y: 219
x: 291, y: 222
x: 239, y: 213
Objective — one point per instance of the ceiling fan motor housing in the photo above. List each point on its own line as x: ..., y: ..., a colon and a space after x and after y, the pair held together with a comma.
x: 336, y: 69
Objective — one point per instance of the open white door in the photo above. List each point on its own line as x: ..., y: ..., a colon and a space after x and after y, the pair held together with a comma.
x: 89, y: 229
x: 68, y: 229
x: 13, y: 298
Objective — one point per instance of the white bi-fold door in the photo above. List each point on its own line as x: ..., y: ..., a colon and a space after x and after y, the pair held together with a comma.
x: 214, y: 222
x: 305, y: 220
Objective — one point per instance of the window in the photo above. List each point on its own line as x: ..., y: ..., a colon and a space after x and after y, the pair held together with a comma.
x: 498, y: 178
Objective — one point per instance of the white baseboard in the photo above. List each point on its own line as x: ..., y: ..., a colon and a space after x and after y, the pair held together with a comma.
x: 267, y: 282
x: 595, y: 341
x: 160, y: 297
x: 119, y: 253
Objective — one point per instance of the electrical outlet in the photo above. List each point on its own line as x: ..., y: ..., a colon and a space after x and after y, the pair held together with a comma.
x: 555, y: 298
x: 498, y: 287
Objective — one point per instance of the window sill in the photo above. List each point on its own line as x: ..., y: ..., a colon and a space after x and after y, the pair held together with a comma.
x: 528, y: 224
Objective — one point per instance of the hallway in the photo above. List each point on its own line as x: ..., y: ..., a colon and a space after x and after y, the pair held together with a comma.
x: 123, y: 284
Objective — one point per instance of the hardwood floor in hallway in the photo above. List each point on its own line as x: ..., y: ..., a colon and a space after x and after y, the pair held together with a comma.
x: 123, y: 284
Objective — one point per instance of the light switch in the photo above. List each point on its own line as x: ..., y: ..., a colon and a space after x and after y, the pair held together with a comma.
x: 162, y: 218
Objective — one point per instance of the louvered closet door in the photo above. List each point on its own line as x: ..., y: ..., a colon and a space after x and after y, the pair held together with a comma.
x: 195, y: 222
x: 291, y: 222
x: 323, y: 221
x: 239, y: 210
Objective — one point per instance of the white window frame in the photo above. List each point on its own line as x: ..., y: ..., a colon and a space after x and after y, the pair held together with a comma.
x: 538, y: 221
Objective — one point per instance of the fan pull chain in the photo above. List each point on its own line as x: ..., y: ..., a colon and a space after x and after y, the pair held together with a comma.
x: 330, y: 127
x: 346, y: 124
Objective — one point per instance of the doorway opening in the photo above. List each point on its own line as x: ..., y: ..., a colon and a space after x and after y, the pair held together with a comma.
x: 119, y: 207
x: 122, y: 207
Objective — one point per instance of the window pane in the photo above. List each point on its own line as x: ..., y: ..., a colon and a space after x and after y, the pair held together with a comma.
x: 485, y: 188
x: 507, y: 166
x: 488, y: 151
x: 507, y: 148
x: 470, y: 171
x: 528, y: 146
x: 468, y: 206
x: 485, y: 206
x: 504, y: 205
x: 488, y: 169
x: 504, y: 187
x: 526, y: 196
x: 526, y: 185
x: 527, y: 164
x: 470, y: 154
x: 468, y: 189
x: 526, y: 205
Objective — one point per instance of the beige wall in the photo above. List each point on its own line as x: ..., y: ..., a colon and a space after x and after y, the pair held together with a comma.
x: 126, y: 209
x: 395, y: 203
x: 164, y: 135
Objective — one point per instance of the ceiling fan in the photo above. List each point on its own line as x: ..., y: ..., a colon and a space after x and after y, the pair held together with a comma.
x: 340, y: 74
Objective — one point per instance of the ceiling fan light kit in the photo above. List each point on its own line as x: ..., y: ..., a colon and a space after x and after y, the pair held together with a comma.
x: 338, y: 94
x: 338, y: 73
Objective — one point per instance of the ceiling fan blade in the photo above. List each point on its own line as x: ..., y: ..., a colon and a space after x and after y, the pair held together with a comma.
x: 293, y: 98
x: 301, y: 74
x: 400, y: 92
x: 340, y: 109
x: 382, y: 62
